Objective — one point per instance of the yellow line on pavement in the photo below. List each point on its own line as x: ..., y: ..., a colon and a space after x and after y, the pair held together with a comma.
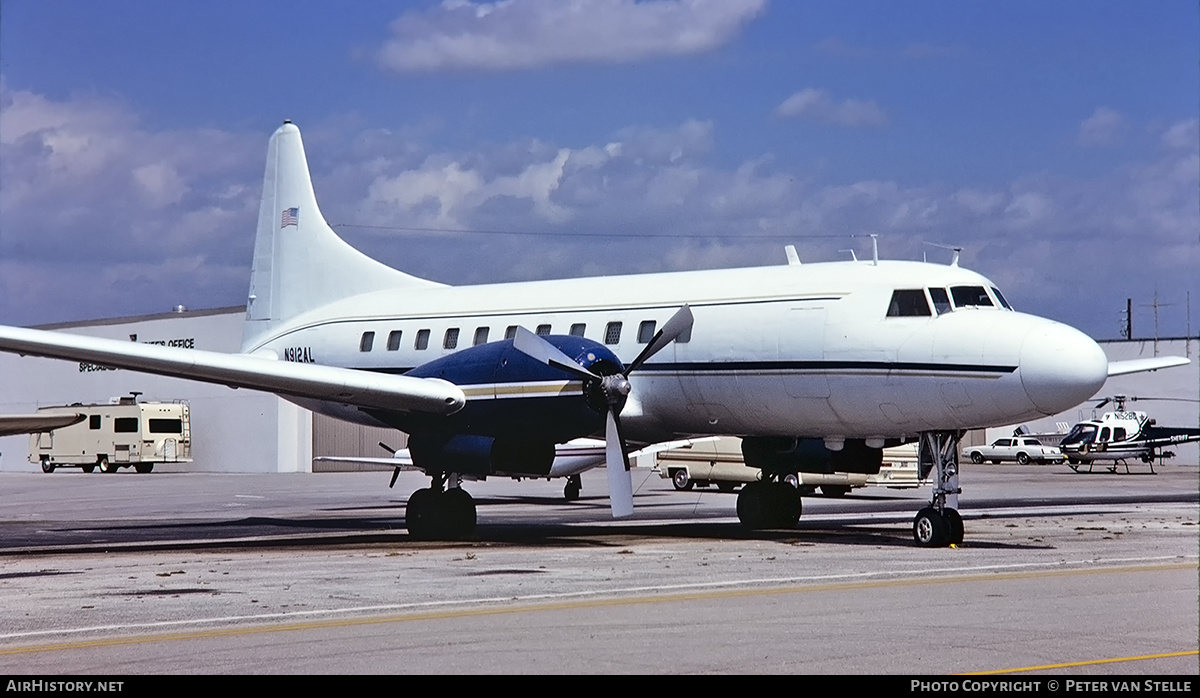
x: 576, y: 604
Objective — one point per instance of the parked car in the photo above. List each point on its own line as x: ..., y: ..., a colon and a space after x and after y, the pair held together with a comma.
x: 1021, y: 449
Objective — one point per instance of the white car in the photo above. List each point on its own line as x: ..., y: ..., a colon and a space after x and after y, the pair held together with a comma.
x: 1022, y: 449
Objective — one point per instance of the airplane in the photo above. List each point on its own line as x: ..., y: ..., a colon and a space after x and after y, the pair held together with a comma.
x: 817, y: 366
x: 1121, y: 435
x: 13, y: 424
x: 570, y: 460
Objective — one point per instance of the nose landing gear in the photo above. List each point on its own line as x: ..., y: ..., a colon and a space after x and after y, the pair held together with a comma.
x: 939, y: 524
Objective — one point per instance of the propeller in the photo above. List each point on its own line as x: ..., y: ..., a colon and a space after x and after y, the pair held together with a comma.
x: 615, y: 388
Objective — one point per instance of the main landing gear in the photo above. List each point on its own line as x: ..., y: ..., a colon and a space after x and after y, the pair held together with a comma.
x: 572, y: 488
x: 768, y: 504
x: 939, y: 524
x: 439, y: 512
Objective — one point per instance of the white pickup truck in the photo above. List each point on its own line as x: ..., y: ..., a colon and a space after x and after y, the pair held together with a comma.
x: 1022, y: 449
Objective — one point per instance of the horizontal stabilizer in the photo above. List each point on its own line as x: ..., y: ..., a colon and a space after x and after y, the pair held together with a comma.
x: 1120, y: 368
x: 311, y: 381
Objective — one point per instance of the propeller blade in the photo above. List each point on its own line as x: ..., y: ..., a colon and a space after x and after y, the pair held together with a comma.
x: 542, y: 351
x: 616, y: 462
x: 679, y: 323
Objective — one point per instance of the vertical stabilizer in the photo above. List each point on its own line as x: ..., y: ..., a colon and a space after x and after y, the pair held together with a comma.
x: 299, y: 262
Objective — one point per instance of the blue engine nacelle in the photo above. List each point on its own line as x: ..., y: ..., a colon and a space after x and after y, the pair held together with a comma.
x: 517, y: 408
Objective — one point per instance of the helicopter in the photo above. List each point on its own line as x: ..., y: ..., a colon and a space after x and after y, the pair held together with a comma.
x: 1121, y: 435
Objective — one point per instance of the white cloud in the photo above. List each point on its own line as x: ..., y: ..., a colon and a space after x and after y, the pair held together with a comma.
x: 522, y: 34
x: 1104, y: 127
x: 816, y: 104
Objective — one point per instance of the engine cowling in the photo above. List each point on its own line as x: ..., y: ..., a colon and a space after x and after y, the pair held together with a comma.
x: 807, y: 455
x: 517, y: 408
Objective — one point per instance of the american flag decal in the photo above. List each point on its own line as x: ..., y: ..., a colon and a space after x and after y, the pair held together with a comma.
x: 291, y: 216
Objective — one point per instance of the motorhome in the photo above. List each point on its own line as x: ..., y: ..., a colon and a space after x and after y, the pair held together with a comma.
x: 122, y: 433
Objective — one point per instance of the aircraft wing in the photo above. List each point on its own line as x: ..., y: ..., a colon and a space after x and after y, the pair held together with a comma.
x: 12, y: 424
x: 1120, y: 368
x: 329, y: 383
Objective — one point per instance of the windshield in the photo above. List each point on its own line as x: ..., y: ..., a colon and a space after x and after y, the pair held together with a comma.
x: 970, y: 297
x: 1081, y: 433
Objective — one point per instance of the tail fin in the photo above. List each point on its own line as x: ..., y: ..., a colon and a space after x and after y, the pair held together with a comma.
x: 299, y: 262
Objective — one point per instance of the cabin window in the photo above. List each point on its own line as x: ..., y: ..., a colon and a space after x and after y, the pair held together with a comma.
x: 1118, y: 433
x: 367, y: 341
x: 941, y: 301
x: 125, y: 425
x: 1104, y: 434
x: 578, y: 329
x: 166, y: 426
x: 1000, y: 297
x: 510, y: 331
x: 970, y: 297
x: 543, y: 330
x: 481, y: 335
x: 393, y: 340
x: 94, y: 422
x: 908, y: 303
x: 422, y: 340
x: 612, y: 333
x: 646, y: 331
x: 450, y: 340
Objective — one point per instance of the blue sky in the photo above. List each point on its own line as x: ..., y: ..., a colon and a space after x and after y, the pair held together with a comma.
x: 1057, y: 143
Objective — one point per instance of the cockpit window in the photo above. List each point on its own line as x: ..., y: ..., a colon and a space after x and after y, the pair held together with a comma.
x: 970, y: 297
x: 909, y: 303
x: 941, y: 300
x: 1000, y: 297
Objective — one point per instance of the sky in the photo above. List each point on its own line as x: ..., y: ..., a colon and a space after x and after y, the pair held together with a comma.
x: 1057, y: 144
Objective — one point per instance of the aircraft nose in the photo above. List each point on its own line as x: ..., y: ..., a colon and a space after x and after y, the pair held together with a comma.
x: 1061, y: 367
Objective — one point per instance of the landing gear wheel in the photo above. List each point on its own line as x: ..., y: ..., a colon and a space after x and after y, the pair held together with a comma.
x: 954, y: 526
x: 681, y: 480
x: 420, y: 514
x: 768, y: 505
x: 458, y: 514
x: 572, y: 488
x: 930, y: 529
x: 751, y: 506
x: 104, y: 465
x: 47, y: 466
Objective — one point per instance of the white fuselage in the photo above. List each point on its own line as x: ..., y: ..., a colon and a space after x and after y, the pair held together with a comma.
x: 798, y: 350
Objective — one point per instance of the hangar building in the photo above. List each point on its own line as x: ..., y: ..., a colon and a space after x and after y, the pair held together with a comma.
x: 248, y: 431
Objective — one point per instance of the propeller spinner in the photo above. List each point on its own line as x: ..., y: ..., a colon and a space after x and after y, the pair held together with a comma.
x: 615, y: 388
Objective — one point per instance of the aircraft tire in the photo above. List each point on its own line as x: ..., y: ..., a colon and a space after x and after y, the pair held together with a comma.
x: 930, y: 529
x: 458, y: 514
x: 785, y: 505
x: 751, y: 505
x: 571, y: 491
x: 954, y: 525
x: 421, y: 515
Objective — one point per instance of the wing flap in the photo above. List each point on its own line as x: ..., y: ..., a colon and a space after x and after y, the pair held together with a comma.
x: 329, y: 383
